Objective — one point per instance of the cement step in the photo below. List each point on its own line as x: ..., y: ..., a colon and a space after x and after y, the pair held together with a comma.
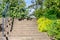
x: 26, y: 30
x: 28, y: 38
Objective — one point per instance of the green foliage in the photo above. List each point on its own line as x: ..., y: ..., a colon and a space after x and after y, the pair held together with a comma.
x: 50, y: 3
x: 52, y: 27
x: 38, y: 2
x: 53, y: 6
x: 49, y: 21
x: 16, y: 8
x: 38, y: 13
x: 51, y: 13
x: 50, y: 9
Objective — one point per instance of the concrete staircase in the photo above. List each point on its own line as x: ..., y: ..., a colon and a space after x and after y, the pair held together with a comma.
x: 26, y: 30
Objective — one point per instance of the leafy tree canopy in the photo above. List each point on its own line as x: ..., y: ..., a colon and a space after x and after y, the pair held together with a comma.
x: 15, y: 9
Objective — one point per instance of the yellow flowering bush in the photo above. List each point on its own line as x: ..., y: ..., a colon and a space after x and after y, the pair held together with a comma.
x: 43, y: 23
x: 52, y: 27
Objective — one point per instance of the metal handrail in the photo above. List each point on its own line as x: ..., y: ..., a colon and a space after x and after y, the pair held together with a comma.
x: 3, y: 18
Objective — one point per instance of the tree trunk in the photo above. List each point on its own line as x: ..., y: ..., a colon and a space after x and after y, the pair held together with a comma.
x: 12, y: 24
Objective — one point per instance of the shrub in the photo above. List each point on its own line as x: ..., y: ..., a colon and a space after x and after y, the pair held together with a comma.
x: 42, y: 23
x: 52, y: 27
